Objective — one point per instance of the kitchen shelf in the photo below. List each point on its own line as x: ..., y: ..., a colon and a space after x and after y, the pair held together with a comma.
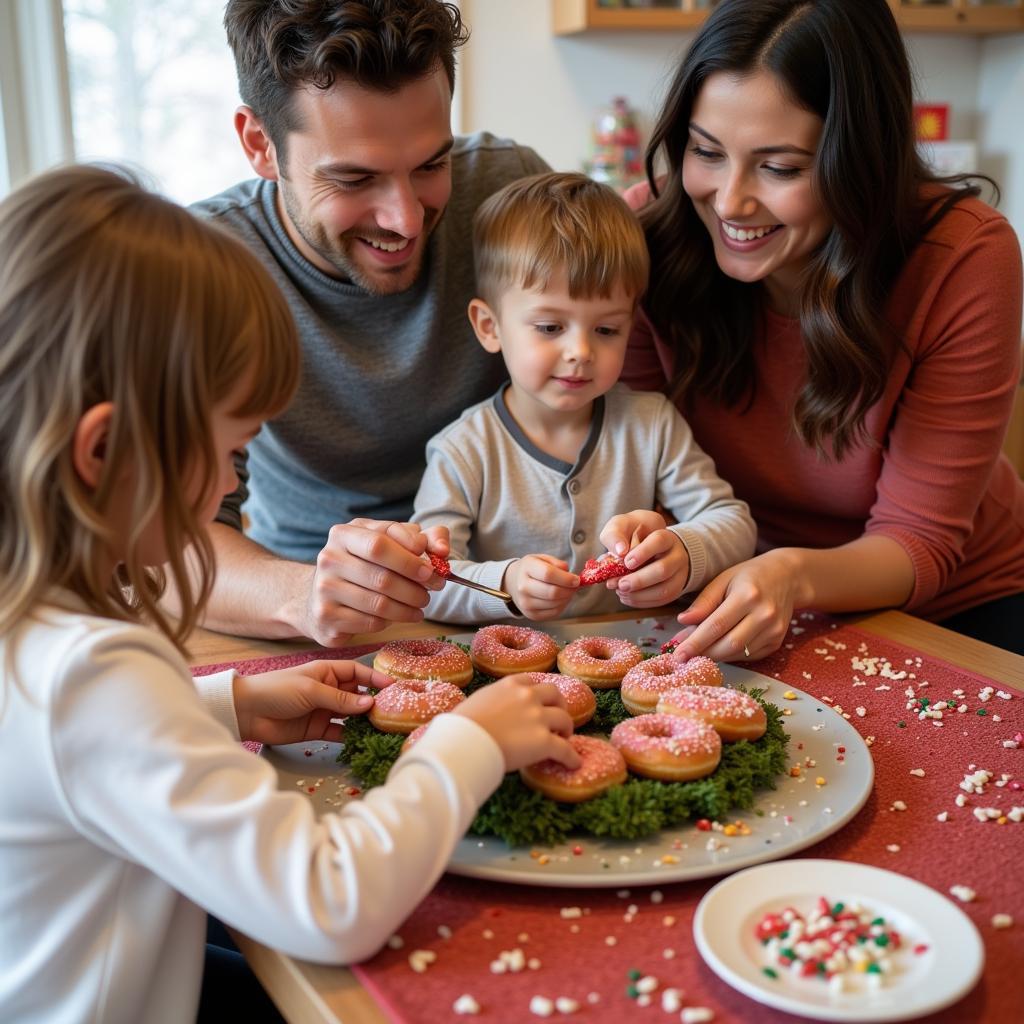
x: 966, y: 17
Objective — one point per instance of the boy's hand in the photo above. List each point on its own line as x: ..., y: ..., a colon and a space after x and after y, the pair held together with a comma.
x: 541, y: 586
x: 528, y: 721
x: 658, y: 561
x: 293, y: 705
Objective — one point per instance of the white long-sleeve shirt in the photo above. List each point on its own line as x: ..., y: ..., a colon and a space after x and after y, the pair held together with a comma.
x: 128, y: 810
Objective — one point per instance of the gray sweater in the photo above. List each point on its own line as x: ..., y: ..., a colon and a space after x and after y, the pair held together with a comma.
x: 380, y: 375
x: 502, y: 497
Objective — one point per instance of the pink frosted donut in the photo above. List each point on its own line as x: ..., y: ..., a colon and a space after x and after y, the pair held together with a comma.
x: 667, y: 747
x: 600, y: 661
x: 603, y: 767
x: 425, y: 659
x: 643, y: 684
x: 414, y: 737
x: 731, y: 713
x: 501, y: 650
x: 579, y: 698
x: 408, y: 703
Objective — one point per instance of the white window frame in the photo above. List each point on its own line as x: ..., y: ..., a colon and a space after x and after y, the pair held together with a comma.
x: 35, y: 92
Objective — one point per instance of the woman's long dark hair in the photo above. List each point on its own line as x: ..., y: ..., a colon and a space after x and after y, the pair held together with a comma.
x: 845, y: 61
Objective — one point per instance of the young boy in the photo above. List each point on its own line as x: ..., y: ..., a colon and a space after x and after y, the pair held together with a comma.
x: 562, y: 460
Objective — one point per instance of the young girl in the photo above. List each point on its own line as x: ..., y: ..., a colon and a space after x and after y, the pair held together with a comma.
x: 139, y: 348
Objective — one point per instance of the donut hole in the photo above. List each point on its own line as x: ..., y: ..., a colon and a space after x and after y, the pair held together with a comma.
x: 515, y: 644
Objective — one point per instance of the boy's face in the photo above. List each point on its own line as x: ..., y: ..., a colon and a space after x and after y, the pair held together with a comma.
x: 561, y: 353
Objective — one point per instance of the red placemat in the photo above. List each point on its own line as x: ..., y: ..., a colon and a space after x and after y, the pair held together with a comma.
x: 587, y: 958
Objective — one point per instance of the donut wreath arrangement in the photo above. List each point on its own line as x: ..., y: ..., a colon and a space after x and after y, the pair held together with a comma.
x: 633, y: 809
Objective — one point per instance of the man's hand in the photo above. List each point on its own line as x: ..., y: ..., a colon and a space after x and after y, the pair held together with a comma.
x: 368, y: 575
x: 294, y: 705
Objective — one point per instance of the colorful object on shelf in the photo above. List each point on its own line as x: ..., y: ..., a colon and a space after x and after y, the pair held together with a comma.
x: 618, y: 151
x: 931, y: 121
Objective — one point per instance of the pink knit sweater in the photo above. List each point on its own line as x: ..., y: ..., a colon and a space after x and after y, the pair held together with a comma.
x: 932, y: 476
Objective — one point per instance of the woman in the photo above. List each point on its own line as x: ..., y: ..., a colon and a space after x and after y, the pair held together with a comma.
x: 841, y: 328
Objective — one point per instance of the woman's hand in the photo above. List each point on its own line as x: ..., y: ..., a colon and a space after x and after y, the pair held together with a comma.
x: 294, y: 705
x: 744, y: 612
x: 658, y: 561
x: 541, y: 586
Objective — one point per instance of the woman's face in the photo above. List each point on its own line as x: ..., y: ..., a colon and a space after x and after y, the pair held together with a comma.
x: 748, y: 170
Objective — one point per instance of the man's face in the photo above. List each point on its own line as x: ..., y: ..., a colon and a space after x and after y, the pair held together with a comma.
x: 366, y: 177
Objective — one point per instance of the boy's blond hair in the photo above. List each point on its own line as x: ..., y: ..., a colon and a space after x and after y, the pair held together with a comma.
x: 555, y: 223
x: 109, y: 293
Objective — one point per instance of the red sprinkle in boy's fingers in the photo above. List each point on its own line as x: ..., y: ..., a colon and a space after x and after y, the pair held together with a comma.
x: 441, y: 566
x: 597, y: 570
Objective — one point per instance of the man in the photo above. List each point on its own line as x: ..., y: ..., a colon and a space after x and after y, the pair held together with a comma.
x: 362, y: 212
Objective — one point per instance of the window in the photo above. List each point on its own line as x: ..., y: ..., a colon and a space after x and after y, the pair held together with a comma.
x: 152, y: 84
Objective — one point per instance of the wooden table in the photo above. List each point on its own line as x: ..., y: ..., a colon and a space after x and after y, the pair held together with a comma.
x: 314, y: 994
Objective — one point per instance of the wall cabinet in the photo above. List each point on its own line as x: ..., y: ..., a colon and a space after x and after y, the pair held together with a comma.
x: 982, y: 17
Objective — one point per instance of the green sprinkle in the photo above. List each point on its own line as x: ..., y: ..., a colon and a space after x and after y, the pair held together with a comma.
x: 982, y: 712
x: 862, y: 939
x: 770, y: 972
x: 784, y: 935
x: 634, y: 975
x: 820, y: 967
x: 901, y: 725
x: 873, y: 968
x: 881, y: 940
x: 925, y: 701
x: 632, y: 992
x: 878, y: 920
x: 838, y: 909
x: 787, y: 953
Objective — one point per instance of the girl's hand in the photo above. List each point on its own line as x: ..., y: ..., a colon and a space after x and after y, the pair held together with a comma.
x: 541, y: 586
x: 744, y: 612
x: 293, y: 705
x: 528, y: 721
x: 659, y: 558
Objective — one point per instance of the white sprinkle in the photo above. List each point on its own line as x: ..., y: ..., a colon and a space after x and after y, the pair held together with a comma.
x: 1010, y: 744
x: 668, y: 954
x: 898, y: 805
x: 610, y: 940
x: 668, y: 920
x: 570, y: 912
x: 964, y: 893
x: 643, y: 1000
x: 541, y: 1006
x: 466, y: 1005
x: 657, y: 896
x: 672, y: 1000
x: 487, y: 933
x: 396, y: 942
x: 942, y: 816
x: 696, y: 1015
x: 522, y: 937
x: 1001, y: 921
x: 421, y: 959
x: 593, y: 998
x: 444, y: 931
x: 498, y: 967
x: 647, y: 984
x: 961, y: 800
x: 533, y: 963
x: 563, y: 1004
x: 861, y: 711
x: 623, y: 894
x: 632, y: 910
x: 893, y: 847
x: 919, y: 772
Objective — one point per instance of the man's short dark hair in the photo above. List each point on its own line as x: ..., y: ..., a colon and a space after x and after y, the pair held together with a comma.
x: 284, y: 45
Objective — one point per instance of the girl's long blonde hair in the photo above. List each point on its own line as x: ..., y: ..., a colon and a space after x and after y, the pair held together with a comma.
x: 109, y: 293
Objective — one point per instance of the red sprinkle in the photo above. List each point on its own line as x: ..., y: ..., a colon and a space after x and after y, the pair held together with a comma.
x: 577, y: 850
x: 597, y: 570
x: 921, y: 948
x: 441, y: 565
x: 311, y: 789
x: 703, y: 824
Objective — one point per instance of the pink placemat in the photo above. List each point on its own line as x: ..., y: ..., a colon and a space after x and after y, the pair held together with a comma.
x: 587, y: 958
